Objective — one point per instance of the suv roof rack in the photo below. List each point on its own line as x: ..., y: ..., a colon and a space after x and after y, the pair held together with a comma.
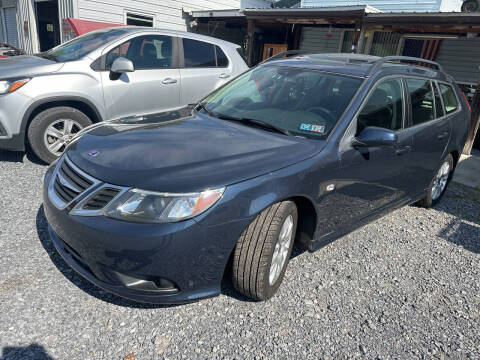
x: 405, y: 59
x: 282, y: 54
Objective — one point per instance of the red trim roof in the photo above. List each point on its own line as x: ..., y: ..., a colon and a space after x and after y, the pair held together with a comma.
x: 81, y: 27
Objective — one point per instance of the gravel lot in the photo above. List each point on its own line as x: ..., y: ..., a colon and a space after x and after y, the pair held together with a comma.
x: 406, y: 286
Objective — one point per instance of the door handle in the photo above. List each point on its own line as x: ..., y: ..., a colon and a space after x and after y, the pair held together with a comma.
x: 442, y: 135
x: 402, y: 150
x: 167, y: 81
x: 224, y: 76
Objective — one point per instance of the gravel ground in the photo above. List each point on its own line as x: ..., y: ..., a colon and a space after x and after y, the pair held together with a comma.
x: 406, y: 286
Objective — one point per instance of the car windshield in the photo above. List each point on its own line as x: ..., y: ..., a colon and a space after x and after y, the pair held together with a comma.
x: 303, y: 102
x: 81, y: 46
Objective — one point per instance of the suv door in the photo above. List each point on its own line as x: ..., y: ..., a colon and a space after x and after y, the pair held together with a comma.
x: 430, y: 127
x: 153, y: 86
x: 204, y: 67
x: 370, y: 179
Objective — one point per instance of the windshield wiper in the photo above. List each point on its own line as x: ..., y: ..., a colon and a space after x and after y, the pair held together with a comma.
x: 207, y: 110
x: 255, y: 122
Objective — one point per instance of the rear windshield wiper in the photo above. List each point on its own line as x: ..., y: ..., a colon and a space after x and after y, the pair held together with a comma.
x: 255, y: 122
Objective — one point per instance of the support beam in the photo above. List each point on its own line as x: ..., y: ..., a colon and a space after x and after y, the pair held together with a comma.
x: 250, y: 39
x: 474, y: 122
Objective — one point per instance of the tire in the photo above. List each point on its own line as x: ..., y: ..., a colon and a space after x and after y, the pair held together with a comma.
x: 254, y: 251
x: 433, y: 198
x: 38, y: 138
x: 470, y: 6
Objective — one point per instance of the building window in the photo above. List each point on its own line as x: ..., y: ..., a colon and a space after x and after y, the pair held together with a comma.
x: 139, y: 20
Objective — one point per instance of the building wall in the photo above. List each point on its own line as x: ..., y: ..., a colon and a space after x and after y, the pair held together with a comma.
x: 167, y: 14
x: 392, y: 5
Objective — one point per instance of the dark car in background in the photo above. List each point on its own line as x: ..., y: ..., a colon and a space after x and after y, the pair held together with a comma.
x: 9, y: 50
x: 304, y: 149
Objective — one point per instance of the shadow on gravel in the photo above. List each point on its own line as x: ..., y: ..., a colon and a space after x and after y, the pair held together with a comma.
x: 460, y: 233
x: 78, y: 280
x: 18, y: 157
x: 32, y: 351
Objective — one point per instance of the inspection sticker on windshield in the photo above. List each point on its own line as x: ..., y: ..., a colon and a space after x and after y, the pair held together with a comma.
x: 313, y: 128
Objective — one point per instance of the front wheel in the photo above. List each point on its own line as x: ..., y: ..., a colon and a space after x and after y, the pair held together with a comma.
x: 50, y: 131
x: 439, y: 183
x: 263, y: 250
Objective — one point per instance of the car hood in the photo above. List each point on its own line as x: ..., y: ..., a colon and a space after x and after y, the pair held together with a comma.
x: 171, y: 152
x: 26, y: 65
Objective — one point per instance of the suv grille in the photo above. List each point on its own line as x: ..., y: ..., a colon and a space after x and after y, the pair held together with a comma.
x: 101, y: 199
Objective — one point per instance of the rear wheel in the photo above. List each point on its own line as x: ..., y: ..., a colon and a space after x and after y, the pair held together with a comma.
x: 439, y: 183
x: 263, y: 250
x: 50, y: 131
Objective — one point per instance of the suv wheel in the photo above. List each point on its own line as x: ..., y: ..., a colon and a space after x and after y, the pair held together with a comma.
x: 439, y: 183
x: 263, y: 250
x: 50, y: 131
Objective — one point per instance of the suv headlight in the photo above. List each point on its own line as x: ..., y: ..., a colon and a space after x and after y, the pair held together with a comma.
x: 153, y: 207
x: 9, y: 86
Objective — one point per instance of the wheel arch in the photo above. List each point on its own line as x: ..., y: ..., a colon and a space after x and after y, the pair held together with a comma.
x: 79, y: 103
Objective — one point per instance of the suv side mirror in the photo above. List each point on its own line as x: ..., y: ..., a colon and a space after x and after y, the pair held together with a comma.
x: 122, y: 65
x: 374, y: 136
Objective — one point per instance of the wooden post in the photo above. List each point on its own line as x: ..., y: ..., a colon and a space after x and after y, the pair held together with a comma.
x: 474, y: 122
x: 250, y: 37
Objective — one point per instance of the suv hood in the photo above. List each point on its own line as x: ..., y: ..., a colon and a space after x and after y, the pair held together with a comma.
x: 26, y: 65
x: 169, y: 152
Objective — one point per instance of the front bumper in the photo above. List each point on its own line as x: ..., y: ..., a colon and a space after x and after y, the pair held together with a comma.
x: 155, y: 263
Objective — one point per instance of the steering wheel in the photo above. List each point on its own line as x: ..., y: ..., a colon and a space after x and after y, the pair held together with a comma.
x: 327, y: 114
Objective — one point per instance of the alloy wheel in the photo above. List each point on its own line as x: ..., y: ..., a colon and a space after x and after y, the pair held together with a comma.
x: 281, y: 250
x: 59, y: 133
x: 440, y: 181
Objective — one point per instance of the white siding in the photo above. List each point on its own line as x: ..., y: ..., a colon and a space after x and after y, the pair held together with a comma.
x: 384, y: 5
x: 168, y: 14
x: 28, y: 40
x: 459, y: 58
x: 249, y: 4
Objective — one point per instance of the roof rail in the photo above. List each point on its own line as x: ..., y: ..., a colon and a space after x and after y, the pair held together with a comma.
x: 282, y: 54
x: 406, y: 59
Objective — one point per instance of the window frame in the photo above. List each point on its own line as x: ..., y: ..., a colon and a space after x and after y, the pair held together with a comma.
x: 370, y: 92
x: 181, y: 54
x: 100, y: 63
x: 409, y: 124
x: 135, y: 12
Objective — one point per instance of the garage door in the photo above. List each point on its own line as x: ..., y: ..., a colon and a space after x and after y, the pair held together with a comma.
x: 320, y: 40
x: 10, y: 14
x: 460, y: 58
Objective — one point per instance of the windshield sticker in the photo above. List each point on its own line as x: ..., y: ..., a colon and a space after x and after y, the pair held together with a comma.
x: 313, y: 128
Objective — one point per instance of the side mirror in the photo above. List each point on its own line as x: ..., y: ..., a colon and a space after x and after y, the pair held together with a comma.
x: 374, y: 136
x: 122, y: 65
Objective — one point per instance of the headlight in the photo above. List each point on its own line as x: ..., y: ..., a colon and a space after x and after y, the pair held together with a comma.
x: 152, y: 207
x: 9, y: 86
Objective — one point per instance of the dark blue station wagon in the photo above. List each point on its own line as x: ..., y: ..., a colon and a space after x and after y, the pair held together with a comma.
x: 305, y: 149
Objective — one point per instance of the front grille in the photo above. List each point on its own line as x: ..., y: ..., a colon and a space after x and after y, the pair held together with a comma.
x: 68, y: 183
x: 101, y: 199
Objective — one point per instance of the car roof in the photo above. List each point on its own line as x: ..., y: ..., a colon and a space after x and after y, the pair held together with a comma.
x: 130, y: 29
x: 364, y: 65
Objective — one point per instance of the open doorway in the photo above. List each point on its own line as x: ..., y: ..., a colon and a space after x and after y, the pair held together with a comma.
x: 47, y: 23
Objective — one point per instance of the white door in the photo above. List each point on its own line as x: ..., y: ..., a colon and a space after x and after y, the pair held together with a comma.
x: 153, y: 87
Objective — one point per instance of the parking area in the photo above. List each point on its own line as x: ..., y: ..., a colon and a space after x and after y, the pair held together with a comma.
x: 406, y: 286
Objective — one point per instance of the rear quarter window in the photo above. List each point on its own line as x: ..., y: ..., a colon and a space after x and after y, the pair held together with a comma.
x: 449, y: 98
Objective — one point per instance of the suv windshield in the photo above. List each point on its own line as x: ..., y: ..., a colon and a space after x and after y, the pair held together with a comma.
x: 81, y: 46
x: 304, y: 102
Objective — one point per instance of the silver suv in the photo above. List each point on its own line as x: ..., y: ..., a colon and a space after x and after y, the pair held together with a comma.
x: 46, y: 98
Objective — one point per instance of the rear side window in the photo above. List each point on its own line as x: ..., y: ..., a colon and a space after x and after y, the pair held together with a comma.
x: 449, y: 98
x: 421, y: 98
x: 384, y: 107
x: 198, y: 54
x: 222, y: 60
